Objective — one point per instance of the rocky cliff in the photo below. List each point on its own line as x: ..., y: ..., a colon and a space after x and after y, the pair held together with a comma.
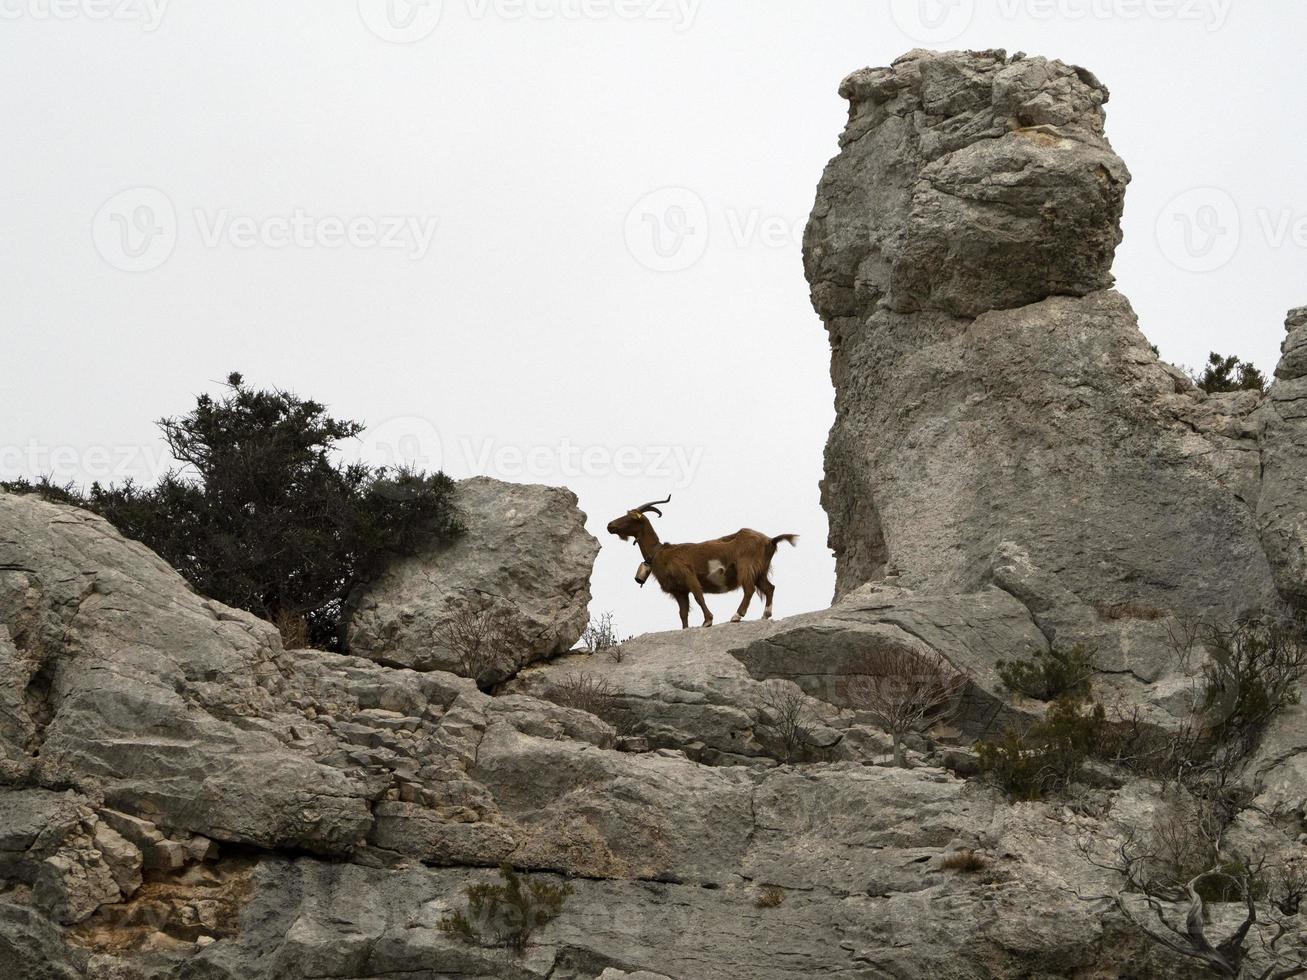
x: 182, y: 798
x: 991, y: 387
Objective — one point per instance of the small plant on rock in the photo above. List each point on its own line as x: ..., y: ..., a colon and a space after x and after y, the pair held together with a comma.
x: 1049, y: 755
x: 485, y: 635
x: 965, y: 861
x: 785, y: 713
x: 1253, y: 671
x: 600, y: 636
x: 1050, y: 674
x: 506, y: 914
x: 905, y: 691
x: 594, y: 695
x: 770, y: 897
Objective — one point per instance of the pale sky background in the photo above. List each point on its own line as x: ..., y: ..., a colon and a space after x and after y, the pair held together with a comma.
x: 542, y: 333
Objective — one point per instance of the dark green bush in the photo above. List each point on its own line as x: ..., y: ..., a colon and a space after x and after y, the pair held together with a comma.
x: 1049, y: 755
x: 261, y: 516
x: 1050, y: 674
x: 506, y: 914
x: 1229, y: 374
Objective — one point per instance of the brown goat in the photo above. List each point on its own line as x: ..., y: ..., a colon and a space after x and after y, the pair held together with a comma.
x: 738, y: 561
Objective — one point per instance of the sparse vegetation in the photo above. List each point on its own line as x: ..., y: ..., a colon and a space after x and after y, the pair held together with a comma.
x: 1049, y: 755
x: 484, y: 633
x: 905, y: 691
x: 1229, y: 374
x: 1050, y: 674
x: 506, y: 914
x: 785, y: 714
x: 770, y: 897
x: 1252, y: 673
x: 600, y: 636
x: 1176, y: 885
x: 965, y: 861
x: 595, y: 695
x: 259, y: 515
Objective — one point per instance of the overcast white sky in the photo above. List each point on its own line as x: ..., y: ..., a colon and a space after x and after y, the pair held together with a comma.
x: 557, y: 240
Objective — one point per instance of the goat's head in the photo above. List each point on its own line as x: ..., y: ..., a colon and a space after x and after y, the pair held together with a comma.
x: 629, y: 524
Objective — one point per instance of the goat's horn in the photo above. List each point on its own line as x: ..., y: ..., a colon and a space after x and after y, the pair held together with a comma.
x: 653, y: 506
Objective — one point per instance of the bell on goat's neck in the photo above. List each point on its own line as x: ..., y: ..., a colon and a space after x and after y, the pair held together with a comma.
x: 642, y: 573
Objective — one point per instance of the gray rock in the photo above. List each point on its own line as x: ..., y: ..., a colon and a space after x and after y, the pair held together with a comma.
x: 32, y: 947
x: 526, y: 547
x: 1282, y: 515
x: 989, y: 388
x: 160, y: 716
x: 965, y: 183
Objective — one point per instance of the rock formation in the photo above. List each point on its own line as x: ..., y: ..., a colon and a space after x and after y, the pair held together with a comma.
x: 525, y: 549
x: 990, y: 387
x: 1280, y: 509
x: 1012, y: 471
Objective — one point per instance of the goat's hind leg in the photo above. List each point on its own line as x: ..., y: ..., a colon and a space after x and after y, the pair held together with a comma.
x: 768, y: 590
x: 683, y: 601
x: 744, y: 603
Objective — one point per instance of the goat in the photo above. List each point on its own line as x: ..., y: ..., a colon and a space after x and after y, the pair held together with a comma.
x: 738, y: 561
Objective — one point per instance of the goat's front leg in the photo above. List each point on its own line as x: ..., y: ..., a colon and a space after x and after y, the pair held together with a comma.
x: 683, y: 600
x: 744, y: 603
x: 697, y: 589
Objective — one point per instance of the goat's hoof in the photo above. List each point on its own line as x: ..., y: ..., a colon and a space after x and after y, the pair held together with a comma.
x: 707, y: 623
x: 766, y: 615
x: 736, y: 618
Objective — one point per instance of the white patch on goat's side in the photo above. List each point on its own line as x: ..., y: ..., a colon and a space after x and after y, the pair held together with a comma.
x: 716, y: 573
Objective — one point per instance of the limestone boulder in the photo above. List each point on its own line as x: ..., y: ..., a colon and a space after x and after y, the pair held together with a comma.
x: 525, y: 551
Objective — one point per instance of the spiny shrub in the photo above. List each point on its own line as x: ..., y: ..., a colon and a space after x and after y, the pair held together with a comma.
x: 1049, y: 755
x: 506, y: 914
x: 1050, y: 674
x: 770, y: 897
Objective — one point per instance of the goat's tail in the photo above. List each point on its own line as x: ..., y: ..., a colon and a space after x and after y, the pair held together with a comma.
x: 787, y: 538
